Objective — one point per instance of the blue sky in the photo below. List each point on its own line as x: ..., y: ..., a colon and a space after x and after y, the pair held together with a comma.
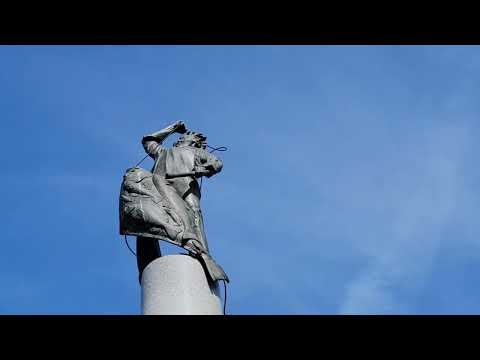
x: 350, y: 185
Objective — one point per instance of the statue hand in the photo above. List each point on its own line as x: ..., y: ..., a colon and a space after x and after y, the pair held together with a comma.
x: 179, y: 127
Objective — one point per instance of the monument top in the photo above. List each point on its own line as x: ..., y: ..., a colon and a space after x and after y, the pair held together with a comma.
x: 164, y: 203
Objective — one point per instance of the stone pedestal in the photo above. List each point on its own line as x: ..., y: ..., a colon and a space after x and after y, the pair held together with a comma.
x: 177, y: 285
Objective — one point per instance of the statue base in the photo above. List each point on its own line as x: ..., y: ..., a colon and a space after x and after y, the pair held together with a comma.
x: 178, y: 285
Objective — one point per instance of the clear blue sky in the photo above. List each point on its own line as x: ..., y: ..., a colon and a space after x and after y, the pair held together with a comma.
x: 349, y: 186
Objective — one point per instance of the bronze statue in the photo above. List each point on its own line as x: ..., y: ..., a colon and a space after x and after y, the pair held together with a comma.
x: 165, y: 203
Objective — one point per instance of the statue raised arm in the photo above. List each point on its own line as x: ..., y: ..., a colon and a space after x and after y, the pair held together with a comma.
x: 152, y: 141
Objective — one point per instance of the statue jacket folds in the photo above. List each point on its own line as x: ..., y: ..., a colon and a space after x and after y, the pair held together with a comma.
x: 153, y: 205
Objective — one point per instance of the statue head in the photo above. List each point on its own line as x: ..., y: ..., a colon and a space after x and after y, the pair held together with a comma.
x: 192, y: 138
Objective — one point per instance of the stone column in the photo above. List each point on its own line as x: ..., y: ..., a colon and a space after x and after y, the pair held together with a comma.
x: 178, y: 285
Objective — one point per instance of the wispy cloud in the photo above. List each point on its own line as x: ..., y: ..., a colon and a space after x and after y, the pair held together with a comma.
x: 425, y: 200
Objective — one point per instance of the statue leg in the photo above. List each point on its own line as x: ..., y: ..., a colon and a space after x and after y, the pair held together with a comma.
x: 148, y: 249
x: 194, y: 202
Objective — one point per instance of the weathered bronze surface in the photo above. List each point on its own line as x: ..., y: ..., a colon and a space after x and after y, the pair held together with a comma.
x: 164, y: 203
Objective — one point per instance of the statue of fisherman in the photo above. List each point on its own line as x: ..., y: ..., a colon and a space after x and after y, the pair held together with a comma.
x: 164, y: 204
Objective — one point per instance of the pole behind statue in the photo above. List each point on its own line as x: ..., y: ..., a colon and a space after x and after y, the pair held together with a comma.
x: 177, y: 285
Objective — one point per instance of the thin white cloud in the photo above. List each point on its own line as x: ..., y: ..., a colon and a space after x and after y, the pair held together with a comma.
x: 426, y: 200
